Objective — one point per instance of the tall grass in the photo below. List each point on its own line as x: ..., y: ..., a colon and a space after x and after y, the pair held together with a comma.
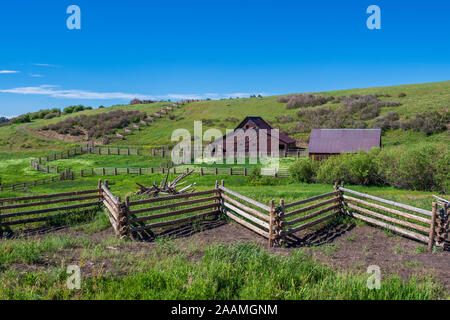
x: 242, y: 271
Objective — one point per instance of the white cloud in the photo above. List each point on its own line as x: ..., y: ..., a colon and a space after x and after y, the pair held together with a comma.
x: 36, y: 75
x: 54, y: 92
x: 8, y: 71
x: 45, y: 65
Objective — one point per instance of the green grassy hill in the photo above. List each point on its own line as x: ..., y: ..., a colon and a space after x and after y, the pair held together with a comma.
x: 20, y: 142
x: 226, y: 113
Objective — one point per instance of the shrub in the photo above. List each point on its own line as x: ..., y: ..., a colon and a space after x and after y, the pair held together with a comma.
x: 306, y: 100
x: 359, y: 168
x: 304, y: 170
x: 401, y: 95
x: 425, y: 167
x: 256, y: 179
x: 98, y: 125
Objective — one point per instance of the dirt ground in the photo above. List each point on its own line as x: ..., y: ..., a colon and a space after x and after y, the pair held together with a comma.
x: 346, y: 247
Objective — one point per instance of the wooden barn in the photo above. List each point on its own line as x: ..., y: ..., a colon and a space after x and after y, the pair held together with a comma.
x: 284, y: 142
x: 326, y: 142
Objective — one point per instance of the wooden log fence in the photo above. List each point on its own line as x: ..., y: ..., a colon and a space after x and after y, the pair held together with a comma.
x: 38, y: 208
x: 274, y: 222
x: 406, y: 220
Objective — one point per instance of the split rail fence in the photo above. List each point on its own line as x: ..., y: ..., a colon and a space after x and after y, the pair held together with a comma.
x: 39, y: 208
x: 274, y: 222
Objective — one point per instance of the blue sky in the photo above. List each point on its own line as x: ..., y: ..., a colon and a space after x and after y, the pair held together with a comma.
x: 174, y: 49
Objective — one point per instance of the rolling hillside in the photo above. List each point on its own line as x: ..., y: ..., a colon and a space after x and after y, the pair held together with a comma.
x: 226, y: 113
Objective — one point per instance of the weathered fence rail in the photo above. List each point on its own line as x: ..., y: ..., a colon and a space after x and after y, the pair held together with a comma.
x: 250, y: 213
x: 275, y: 223
x: 31, y: 209
x: 412, y: 222
x: 188, y: 208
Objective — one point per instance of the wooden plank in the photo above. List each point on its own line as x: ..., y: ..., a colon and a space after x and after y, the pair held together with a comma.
x: 247, y: 216
x: 432, y: 228
x: 390, y: 219
x: 37, y: 219
x: 245, y: 208
x: 312, y: 215
x: 248, y: 225
x: 174, y: 222
x: 401, y: 231
x: 389, y: 202
x: 110, y: 201
x: 34, y: 204
x: 178, y: 196
x: 46, y: 196
x: 174, y: 205
x: 247, y: 199
x: 320, y: 196
x: 112, y: 210
x: 314, y: 206
x: 393, y: 211
x: 310, y: 224
x: 34, y: 212
x: 110, y: 195
x: 173, y: 213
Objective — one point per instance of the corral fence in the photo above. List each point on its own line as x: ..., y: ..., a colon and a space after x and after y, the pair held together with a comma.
x: 68, y: 174
x: 275, y: 222
x: 39, y: 208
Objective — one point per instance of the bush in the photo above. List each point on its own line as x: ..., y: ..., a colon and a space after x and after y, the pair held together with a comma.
x: 425, y: 167
x: 306, y: 100
x: 256, y: 179
x: 360, y: 168
x: 304, y: 170
x: 97, y: 125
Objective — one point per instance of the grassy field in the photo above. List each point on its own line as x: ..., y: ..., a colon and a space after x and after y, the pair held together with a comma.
x: 240, y: 271
x: 35, y: 268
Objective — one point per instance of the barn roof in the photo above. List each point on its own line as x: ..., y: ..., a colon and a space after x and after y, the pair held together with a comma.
x: 343, y: 140
x: 260, y: 123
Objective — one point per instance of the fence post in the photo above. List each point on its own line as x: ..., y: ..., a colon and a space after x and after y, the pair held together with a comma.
x: 201, y: 171
x: 271, y: 223
x: 140, y: 171
x: 442, y: 224
x: 245, y: 171
x: 100, y: 191
x: 124, y: 221
x: 230, y: 171
x: 432, y: 227
x: 280, y: 224
x: 219, y: 200
x: 103, y: 171
x: 339, y: 199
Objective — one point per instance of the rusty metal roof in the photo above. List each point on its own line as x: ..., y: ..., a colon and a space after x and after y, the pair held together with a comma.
x: 343, y: 140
